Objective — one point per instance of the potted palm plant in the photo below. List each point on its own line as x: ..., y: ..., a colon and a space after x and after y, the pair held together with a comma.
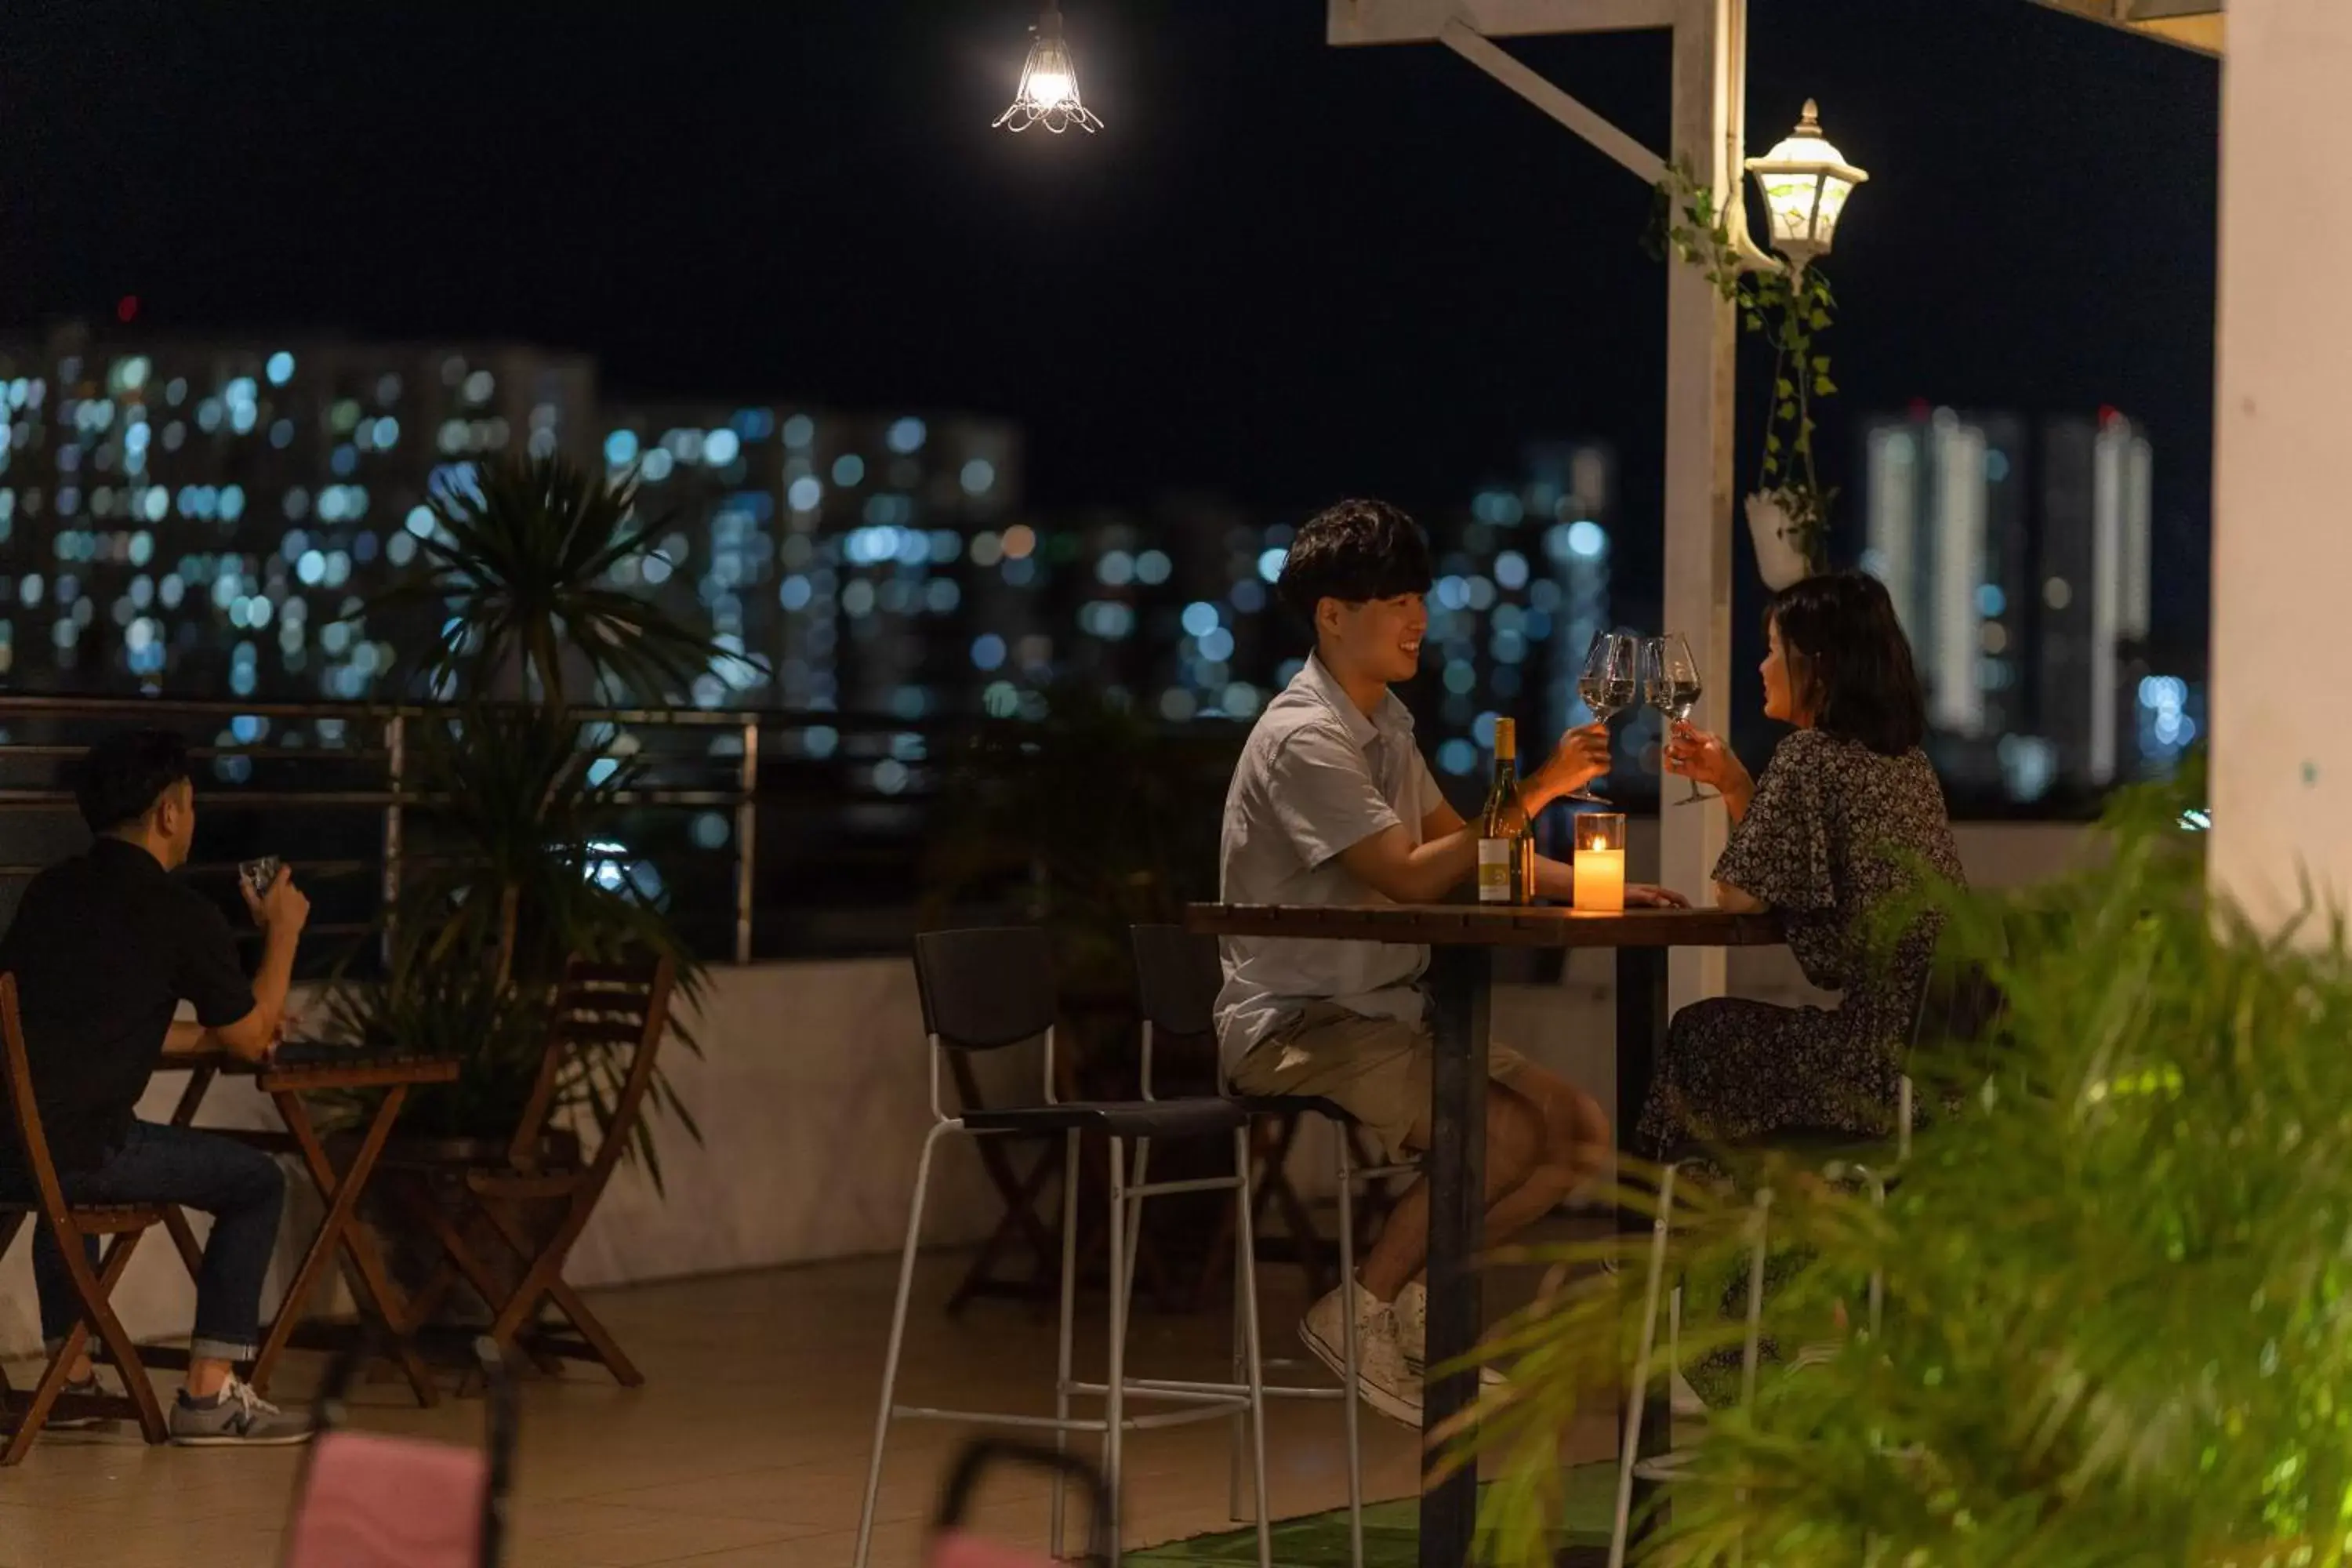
x: 2117, y: 1319
x: 513, y: 793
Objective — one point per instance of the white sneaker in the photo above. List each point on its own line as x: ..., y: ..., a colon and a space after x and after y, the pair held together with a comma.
x: 1412, y: 1335
x: 1381, y: 1377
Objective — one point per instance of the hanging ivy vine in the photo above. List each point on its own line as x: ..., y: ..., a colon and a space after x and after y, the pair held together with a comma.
x: 1790, y: 309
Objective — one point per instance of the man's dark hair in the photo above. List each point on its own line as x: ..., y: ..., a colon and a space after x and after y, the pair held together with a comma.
x: 1849, y: 663
x: 120, y: 778
x: 1355, y: 551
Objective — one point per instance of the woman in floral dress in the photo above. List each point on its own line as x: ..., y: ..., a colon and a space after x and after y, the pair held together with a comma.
x: 1846, y: 811
x: 1846, y: 814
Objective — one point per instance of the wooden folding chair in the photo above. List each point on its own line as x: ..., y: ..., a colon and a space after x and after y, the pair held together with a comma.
x: 600, y: 1009
x: 70, y: 1224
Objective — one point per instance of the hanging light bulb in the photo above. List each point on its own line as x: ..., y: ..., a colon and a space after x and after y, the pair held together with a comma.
x: 1049, y: 83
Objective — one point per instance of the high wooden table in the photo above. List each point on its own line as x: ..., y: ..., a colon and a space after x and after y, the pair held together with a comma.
x: 1462, y: 937
x: 372, y: 1291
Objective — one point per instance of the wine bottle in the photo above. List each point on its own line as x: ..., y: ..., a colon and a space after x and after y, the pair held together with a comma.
x: 1506, y: 860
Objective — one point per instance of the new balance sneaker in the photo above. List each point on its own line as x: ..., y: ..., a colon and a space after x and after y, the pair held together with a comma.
x: 1412, y: 1335
x: 236, y: 1417
x: 1382, y: 1376
x: 84, y: 1388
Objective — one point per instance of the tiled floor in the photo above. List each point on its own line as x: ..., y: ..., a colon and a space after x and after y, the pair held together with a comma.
x: 747, y: 1446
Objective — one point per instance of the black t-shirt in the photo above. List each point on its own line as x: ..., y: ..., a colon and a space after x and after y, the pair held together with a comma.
x: 104, y: 949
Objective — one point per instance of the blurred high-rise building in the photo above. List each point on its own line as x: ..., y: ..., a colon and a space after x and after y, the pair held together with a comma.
x: 214, y: 512
x: 1522, y: 584
x: 1945, y: 502
x: 1170, y: 610
x: 862, y: 564
x: 2096, y: 528
x: 2021, y: 576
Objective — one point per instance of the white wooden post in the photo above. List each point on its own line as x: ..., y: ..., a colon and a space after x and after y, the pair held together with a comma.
x: 1701, y: 343
x: 1709, y: 92
x: 2282, y: 509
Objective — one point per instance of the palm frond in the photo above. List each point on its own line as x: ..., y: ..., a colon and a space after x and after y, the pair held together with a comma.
x: 522, y: 563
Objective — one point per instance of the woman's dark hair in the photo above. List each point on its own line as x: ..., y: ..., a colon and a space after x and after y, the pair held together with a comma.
x: 1354, y: 552
x: 123, y: 776
x: 1849, y: 662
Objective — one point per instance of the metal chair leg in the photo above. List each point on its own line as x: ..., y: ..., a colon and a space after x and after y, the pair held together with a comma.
x: 1348, y: 1354
x: 1135, y: 1231
x: 1067, y: 1332
x: 1752, y: 1351
x: 1115, y: 1396
x: 1255, y: 1352
x: 1244, y: 1284
x: 1629, y: 1448
x: 897, y: 1343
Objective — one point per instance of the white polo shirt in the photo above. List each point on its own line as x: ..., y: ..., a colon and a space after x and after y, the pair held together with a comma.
x: 1316, y: 778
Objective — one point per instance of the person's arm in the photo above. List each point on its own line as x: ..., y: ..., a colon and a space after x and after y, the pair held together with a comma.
x: 1778, y: 858
x: 237, y: 1015
x: 254, y: 1035
x: 1403, y: 872
x: 1738, y: 900
x: 187, y: 1037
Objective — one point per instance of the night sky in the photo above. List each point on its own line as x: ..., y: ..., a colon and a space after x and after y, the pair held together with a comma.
x: 1284, y: 273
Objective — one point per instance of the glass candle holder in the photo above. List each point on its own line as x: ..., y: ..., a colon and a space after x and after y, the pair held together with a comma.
x: 1600, y: 862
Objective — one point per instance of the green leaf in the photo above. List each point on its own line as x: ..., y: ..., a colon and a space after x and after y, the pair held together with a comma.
x: 1824, y: 387
x: 1784, y: 387
x: 1819, y: 321
x: 1788, y: 411
x: 1771, y: 442
x: 1822, y: 364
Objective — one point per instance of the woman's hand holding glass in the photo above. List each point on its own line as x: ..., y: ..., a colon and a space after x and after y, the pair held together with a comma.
x: 1692, y: 753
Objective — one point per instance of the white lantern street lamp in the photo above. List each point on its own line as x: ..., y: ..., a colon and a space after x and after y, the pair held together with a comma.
x: 1805, y: 181
x: 1049, y: 84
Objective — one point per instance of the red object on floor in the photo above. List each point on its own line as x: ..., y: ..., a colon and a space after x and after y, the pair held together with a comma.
x: 373, y: 1501
x: 369, y: 1500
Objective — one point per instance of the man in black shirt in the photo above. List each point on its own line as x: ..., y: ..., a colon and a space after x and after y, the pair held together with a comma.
x: 104, y: 949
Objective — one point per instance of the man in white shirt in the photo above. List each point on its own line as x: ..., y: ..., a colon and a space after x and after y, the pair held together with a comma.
x: 1333, y: 803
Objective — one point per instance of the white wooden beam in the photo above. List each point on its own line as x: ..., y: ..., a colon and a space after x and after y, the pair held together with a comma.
x: 1702, y: 343
x: 1514, y: 73
x: 2199, y: 26
x: 1423, y: 21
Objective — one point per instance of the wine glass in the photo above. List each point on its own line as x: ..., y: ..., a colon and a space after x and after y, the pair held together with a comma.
x: 1670, y: 684
x: 1606, y: 686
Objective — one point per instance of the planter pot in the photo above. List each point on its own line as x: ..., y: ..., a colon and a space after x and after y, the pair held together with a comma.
x: 1779, y: 559
x: 411, y: 1251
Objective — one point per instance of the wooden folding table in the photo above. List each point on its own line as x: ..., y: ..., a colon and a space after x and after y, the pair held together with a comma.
x: 339, y: 1237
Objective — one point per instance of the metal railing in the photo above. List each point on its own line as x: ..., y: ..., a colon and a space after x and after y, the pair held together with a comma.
x: 379, y: 737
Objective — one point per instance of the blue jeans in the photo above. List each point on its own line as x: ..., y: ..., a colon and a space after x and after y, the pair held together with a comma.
x: 242, y: 1188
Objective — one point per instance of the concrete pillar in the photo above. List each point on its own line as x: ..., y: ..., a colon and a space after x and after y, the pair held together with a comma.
x: 2282, y: 496
x: 1702, y: 338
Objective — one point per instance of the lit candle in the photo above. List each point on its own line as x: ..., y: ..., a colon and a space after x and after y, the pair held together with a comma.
x: 1600, y: 862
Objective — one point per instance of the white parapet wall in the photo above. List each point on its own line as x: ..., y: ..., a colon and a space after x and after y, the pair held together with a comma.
x: 812, y: 1097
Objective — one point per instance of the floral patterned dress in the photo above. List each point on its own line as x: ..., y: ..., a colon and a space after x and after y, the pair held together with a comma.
x: 1834, y: 829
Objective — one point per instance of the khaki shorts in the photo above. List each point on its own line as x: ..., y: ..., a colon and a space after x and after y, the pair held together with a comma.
x: 1376, y: 1069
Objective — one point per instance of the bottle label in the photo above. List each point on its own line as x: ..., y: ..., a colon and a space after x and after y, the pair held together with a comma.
x: 1494, y: 870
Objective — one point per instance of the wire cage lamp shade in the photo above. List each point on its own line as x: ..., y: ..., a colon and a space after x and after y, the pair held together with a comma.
x: 1048, y: 95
